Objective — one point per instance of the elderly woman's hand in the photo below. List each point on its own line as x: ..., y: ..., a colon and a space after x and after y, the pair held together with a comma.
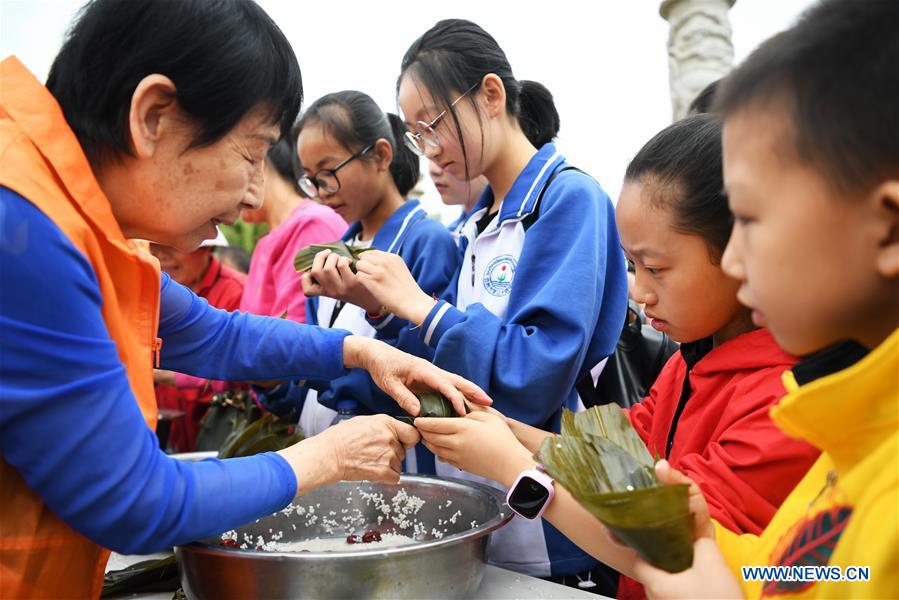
x: 331, y: 276
x: 369, y: 448
x: 400, y: 375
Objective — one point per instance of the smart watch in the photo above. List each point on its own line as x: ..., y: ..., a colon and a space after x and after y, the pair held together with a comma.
x: 531, y: 493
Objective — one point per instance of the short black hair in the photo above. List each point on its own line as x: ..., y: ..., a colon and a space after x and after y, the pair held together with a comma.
x: 225, y: 58
x: 836, y: 73
x: 355, y: 120
x: 703, y: 101
x: 454, y: 56
x: 682, y: 165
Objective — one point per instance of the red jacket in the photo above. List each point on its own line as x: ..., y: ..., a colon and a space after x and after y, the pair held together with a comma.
x: 222, y: 287
x: 725, y: 440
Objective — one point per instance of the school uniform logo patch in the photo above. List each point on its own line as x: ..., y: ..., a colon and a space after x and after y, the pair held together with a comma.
x: 499, y: 274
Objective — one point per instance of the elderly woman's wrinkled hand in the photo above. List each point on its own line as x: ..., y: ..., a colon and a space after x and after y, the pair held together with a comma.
x: 332, y: 277
x: 367, y: 448
x: 370, y: 448
x: 401, y: 375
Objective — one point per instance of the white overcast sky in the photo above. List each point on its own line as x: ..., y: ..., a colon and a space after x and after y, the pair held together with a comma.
x: 604, y: 60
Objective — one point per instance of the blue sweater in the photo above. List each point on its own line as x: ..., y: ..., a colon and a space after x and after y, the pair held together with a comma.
x: 69, y: 422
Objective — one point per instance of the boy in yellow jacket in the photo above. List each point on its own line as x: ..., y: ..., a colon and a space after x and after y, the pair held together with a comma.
x: 811, y: 167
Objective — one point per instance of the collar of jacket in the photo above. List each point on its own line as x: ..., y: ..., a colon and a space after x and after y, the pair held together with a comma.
x: 522, y: 196
x: 849, y: 413
x: 393, y: 232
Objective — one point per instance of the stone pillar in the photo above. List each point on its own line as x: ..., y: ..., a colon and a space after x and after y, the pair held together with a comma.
x: 699, y: 47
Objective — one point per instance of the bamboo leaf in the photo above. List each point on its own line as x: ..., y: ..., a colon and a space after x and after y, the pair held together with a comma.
x: 602, y: 461
x: 303, y: 260
x: 432, y: 404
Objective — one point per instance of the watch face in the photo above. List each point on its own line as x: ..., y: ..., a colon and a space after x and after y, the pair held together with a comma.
x: 528, y: 497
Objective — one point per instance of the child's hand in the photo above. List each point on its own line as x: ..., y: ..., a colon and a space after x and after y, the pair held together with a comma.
x: 529, y: 437
x: 480, y: 443
x: 668, y: 475
x: 388, y: 280
x: 331, y: 276
x: 709, y: 577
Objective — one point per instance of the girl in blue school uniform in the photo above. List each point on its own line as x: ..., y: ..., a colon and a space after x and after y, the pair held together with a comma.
x: 354, y: 160
x: 540, y: 295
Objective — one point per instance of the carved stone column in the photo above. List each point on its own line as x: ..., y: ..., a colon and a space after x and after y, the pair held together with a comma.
x: 699, y: 47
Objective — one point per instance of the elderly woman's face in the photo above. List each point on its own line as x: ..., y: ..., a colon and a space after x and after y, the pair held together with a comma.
x: 180, y: 194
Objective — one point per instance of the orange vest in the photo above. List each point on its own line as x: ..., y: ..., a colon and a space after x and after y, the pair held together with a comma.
x: 40, y: 556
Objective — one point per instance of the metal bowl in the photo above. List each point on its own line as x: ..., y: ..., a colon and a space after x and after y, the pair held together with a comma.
x: 447, y: 560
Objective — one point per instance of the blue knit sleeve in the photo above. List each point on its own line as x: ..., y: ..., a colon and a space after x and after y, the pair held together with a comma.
x: 69, y: 422
x: 198, y: 339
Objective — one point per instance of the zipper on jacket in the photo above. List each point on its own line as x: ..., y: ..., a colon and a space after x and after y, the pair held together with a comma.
x: 691, y: 353
x: 156, y: 347
x: 472, y: 270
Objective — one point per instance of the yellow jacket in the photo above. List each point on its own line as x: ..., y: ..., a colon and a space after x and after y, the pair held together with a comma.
x: 844, y: 511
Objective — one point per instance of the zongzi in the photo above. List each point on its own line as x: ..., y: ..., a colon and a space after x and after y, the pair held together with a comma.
x: 432, y: 405
x: 602, y: 461
x: 303, y: 261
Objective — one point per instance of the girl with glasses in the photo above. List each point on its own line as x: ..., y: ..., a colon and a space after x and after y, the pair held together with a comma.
x: 541, y: 294
x: 354, y: 159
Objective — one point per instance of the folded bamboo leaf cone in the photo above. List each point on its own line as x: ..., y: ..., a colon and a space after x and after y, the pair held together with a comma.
x: 602, y: 461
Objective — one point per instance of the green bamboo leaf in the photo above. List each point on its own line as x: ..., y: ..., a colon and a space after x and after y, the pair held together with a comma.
x: 303, y: 260
x: 602, y: 461
x: 243, y: 438
x: 270, y: 443
x: 432, y: 404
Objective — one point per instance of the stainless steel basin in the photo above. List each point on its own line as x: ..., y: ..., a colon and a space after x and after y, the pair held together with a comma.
x: 450, y: 566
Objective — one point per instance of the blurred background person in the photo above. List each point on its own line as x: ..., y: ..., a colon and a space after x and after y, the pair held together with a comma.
x: 183, y: 399
x: 456, y: 192
x: 273, y: 286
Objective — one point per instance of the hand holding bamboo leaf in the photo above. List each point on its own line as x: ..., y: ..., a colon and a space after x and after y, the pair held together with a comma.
x: 601, y: 460
x: 329, y: 270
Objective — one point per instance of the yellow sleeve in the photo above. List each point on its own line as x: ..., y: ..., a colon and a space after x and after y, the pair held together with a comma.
x: 738, y: 549
x: 873, y: 544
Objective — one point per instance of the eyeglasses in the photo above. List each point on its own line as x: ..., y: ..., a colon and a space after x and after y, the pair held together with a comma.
x: 325, y: 180
x: 426, y: 131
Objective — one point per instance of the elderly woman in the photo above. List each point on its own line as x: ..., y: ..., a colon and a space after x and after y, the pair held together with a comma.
x: 154, y: 124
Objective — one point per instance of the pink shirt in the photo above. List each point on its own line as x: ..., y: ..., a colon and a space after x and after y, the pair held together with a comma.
x: 273, y: 284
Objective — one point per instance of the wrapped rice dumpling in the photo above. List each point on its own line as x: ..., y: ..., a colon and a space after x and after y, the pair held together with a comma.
x: 432, y: 405
x: 602, y: 461
x: 303, y: 261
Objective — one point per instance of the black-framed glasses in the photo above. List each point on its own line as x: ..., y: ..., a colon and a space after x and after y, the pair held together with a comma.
x: 426, y: 131
x: 325, y: 180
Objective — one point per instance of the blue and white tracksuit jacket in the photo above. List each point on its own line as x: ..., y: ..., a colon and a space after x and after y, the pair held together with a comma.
x: 456, y: 226
x: 529, y: 312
